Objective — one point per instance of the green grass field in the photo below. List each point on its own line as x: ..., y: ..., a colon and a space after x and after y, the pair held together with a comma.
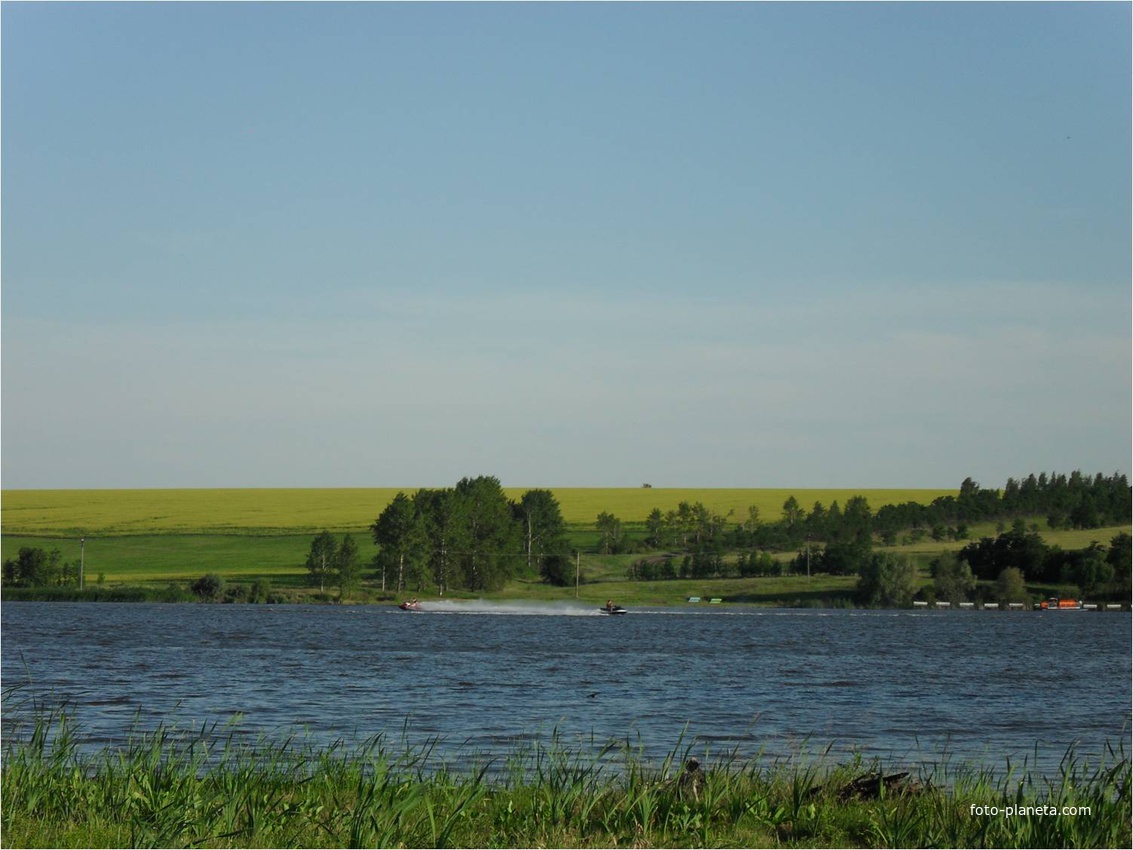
x: 280, y: 559
x: 181, y: 557
x: 74, y: 513
x: 152, y: 536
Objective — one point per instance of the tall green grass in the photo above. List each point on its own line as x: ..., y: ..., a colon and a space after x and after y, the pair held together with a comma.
x: 204, y: 789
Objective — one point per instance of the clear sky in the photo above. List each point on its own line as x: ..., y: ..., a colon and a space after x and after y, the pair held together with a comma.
x: 734, y: 245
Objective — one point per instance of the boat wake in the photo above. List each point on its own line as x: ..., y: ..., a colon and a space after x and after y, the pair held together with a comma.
x: 529, y: 609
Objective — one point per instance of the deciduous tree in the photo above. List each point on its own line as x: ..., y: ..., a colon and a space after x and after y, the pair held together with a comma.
x: 400, y: 535
x: 491, y: 534
x: 209, y: 587
x: 544, y: 538
x: 446, y: 531
x: 887, y: 581
x: 348, y: 570
x: 321, y: 559
x: 1009, y: 586
x: 541, y: 519
x: 34, y: 567
x: 610, y: 527
x: 655, y: 529
x: 952, y: 578
x: 792, y: 512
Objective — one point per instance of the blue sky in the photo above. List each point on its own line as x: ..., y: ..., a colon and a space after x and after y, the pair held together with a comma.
x: 735, y: 245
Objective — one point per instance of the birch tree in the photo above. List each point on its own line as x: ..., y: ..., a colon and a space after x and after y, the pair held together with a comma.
x: 402, y: 542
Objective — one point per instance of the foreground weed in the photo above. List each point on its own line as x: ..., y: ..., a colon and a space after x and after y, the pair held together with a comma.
x: 202, y: 789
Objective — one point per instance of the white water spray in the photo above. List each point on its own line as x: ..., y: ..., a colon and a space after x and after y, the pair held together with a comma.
x: 539, y: 609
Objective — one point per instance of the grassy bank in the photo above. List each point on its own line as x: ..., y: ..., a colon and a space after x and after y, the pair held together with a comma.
x: 169, y: 789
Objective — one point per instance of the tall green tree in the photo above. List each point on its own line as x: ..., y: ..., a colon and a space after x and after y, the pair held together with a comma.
x: 1010, y: 586
x: 610, y: 527
x: 792, y: 512
x: 347, y: 565
x: 792, y: 524
x: 845, y: 557
x: 751, y: 524
x: 816, y: 521
x: 403, y: 544
x: 706, y: 524
x: 492, y: 534
x: 887, y: 581
x: 446, y: 530
x: 857, y: 520
x: 544, y: 534
x: 655, y: 529
x: 1087, y: 568
x: 1120, y: 557
x: 952, y: 578
x: 680, y: 522
x: 321, y: 559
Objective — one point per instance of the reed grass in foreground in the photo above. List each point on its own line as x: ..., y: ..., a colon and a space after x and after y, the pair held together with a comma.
x: 174, y: 789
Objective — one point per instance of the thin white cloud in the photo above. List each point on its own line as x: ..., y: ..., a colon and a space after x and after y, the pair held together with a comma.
x: 872, y: 389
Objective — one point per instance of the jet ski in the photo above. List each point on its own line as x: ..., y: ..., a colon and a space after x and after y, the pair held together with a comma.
x: 613, y: 609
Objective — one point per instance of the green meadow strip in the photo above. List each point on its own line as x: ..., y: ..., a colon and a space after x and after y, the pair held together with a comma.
x: 204, y: 789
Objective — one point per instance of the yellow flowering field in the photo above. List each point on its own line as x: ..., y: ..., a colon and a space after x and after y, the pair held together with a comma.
x: 284, y: 511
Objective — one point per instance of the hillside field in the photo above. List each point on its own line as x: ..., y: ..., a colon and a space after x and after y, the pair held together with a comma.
x: 108, y: 513
x: 160, y: 536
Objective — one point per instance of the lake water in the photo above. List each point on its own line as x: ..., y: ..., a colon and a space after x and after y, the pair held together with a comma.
x: 905, y: 686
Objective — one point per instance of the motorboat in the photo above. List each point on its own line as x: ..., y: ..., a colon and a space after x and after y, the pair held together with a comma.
x: 1056, y: 603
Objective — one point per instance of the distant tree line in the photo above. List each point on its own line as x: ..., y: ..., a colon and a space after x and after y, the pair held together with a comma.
x: 1091, y: 569
x: 472, y: 537
x: 38, y: 567
x: 1073, y: 501
x: 1066, y: 501
x: 839, y: 540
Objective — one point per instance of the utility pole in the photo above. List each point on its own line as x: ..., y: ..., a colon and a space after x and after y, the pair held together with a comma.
x: 82, y: 557
x: 808, y: 557
x: 577, y: 555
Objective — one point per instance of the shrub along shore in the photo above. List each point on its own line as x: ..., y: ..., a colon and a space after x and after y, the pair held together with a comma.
x: 168, y: 788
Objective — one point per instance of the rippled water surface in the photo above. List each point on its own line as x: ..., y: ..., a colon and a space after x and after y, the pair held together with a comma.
x: 906, y: 686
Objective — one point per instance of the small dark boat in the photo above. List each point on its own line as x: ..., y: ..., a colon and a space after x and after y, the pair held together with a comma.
x: 410, y: 606
x: 616, y: 609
